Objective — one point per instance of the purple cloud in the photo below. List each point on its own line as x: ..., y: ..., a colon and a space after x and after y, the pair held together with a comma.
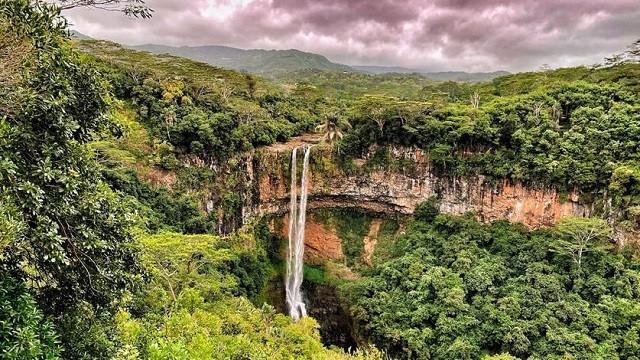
x: 473, y: 35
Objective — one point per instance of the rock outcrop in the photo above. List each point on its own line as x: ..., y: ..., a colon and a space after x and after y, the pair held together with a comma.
x: 370, y: 241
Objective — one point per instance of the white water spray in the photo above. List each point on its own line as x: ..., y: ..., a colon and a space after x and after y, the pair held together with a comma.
x: 295, y: 252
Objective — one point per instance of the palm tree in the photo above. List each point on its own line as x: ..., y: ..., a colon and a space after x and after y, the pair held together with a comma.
x: 333, y: 127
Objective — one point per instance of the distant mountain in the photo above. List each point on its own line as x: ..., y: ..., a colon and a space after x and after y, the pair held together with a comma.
x: 440, y: 76
x: 264, y: 62
x: 384, y: 69
x: 79, y: 36
x: 278, y: 62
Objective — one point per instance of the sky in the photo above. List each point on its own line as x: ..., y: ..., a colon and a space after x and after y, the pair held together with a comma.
x: 430, y: 35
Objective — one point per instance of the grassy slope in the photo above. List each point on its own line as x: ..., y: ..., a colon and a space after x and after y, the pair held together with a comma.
x: 164, y: 65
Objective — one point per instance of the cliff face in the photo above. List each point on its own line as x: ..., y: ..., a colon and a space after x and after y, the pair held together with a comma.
x: 257, y: 184
x: 401, y: 189
x: 321, y: 241
x: 324, y: 241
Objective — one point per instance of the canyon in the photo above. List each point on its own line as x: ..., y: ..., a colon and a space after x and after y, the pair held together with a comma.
x: 406, y: 180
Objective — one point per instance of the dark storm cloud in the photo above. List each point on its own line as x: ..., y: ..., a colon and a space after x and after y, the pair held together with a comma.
x: 434, y: 35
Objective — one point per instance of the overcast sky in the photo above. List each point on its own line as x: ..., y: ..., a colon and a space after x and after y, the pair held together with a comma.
x: 435, y: 35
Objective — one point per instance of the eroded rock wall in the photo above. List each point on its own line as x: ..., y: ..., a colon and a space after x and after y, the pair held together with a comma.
x: 401, y: 189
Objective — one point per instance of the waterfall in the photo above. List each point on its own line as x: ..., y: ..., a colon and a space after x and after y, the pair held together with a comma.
x: 295, y: 252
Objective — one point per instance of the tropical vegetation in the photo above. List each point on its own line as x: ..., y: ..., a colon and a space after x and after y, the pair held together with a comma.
x: 124, y: 234
x: 453, y: 288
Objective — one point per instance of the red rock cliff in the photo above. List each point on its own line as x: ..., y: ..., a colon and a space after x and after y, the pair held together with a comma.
x: 386, y: 190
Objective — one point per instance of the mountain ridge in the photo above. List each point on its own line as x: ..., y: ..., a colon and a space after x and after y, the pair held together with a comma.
x: 273, y: 62
x: 259, y: 61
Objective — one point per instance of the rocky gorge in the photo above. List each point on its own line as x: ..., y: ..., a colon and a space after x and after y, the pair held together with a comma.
x: 397, y: 187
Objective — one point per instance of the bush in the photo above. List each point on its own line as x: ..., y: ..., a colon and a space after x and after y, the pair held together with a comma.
x: 428, y: 210
x: 24, y: 332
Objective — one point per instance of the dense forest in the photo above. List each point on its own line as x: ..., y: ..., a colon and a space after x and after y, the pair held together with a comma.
x: 452, y: 288
x: 109, y: 250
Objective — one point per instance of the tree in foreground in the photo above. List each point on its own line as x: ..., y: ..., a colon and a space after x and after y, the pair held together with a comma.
x: 70, y: 245
x: 135, y: 8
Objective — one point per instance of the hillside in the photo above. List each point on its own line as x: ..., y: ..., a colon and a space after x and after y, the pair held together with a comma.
x: 279, y: 62
x: 354, y: 84
x: 440, y: 76
x: 257, y: 61
x: 163, y: 65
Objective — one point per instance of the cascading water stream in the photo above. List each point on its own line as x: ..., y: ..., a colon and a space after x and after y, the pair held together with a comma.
x: 295, y: 252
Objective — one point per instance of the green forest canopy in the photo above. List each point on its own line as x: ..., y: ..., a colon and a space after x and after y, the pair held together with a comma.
x: 95, y: 262
x: 457, y: 289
